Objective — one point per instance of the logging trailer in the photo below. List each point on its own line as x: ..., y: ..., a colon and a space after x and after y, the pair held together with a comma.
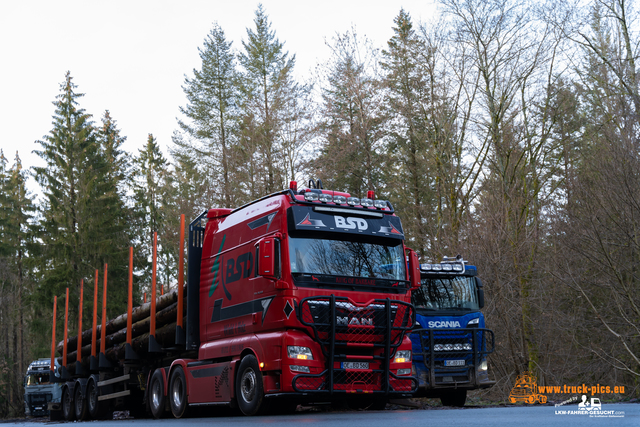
x: 297, y: 297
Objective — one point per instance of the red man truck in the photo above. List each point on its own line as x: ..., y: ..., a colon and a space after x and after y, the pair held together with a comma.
x: 298, y: 297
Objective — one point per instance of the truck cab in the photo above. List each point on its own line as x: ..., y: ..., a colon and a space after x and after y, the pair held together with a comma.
x: 450, y: 341
x: 301, y: 296
x: 39, y: 391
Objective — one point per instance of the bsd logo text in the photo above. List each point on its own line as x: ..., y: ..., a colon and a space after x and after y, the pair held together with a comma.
x: 351, y: 223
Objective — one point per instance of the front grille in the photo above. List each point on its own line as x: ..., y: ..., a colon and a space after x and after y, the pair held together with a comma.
x: 451, y: 356
x: 40, y: 401
x: 351, y: 332
x: 356, y: 324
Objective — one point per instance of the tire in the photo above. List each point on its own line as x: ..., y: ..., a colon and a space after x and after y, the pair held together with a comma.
x: 157, y: 395
x: 456, y: 398
x: 68, y: 412
x: 93, y: 404
x: 80, y: 404
x: 177, y: 393
x: 249, y: 387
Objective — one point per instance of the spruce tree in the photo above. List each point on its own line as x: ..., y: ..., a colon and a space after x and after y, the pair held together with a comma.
x: 265, y: 82
x: 150, y: 169
x: 81, y: 225
x: 213, y: 116
x: 351, y: 152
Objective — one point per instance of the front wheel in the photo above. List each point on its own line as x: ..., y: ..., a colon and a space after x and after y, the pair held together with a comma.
x: 68, y: 412
x: 178, y: 393
x: 454, y: 398
x: 249, y: 388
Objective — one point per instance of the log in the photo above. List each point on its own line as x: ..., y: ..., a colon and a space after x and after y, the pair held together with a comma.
x: 138, y: 313
x: 164, y: 335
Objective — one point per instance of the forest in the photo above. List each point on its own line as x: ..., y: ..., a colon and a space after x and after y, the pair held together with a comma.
x: 506, y: 131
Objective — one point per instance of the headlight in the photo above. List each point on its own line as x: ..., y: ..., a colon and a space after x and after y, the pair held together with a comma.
x: 301, y: 353
x: 325, y: 198
x: 367, y: 203
x: 297, y: 368
x: 310, y: 197
x: 467, y: 346
x: 473, y: 323
x: 402, y: 356
x: 339, y: 200
x: 438, y: 347
x: 483, y: 366
x: 380, y: 204
x: 353, y: 201
x: 404, y: 371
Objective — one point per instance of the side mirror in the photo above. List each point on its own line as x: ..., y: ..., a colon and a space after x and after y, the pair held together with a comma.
x: 269, y: 258
x: 480, y: 292
x: 414, y: 269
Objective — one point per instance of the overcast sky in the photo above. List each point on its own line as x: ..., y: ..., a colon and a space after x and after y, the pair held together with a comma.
x: 131, y: 57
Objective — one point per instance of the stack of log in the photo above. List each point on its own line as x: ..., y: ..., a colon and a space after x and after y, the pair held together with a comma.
x: 116, y: 331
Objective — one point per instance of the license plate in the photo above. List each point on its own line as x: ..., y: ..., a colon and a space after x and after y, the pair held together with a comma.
x: 355, y: 365
x: 454, y: 363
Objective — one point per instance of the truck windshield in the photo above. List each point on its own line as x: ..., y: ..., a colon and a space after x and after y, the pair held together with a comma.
x: 346, y: 258
x: 36, y: 379
x: 451, y: 293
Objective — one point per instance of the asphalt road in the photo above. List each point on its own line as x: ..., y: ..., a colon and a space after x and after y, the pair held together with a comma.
x: 618, y: 414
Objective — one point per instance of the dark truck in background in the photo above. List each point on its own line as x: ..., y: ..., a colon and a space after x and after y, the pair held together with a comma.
x: 450, y: 341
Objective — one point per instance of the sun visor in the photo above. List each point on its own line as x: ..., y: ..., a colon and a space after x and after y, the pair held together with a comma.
x: 334, y: 219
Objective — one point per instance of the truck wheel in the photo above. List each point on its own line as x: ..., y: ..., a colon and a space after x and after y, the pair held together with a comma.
x: 454, y: 398
x: 93, y: 405
x: 68, y: 411
x: 80, y: 405
x: 178, y: 393
x: 156, y: 394
x: 249, y: 388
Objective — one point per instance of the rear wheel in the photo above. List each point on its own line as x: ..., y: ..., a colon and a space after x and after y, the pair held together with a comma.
x: 178, y: 393
x: 97, y: 409
x: 80, y: 405
x: 68, y: 412
x: 454, y: 398
x: 156, y: 395
x: 249, y: 388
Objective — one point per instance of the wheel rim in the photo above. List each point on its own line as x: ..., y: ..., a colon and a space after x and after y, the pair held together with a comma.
x: 248, y: 385
x: 155, y: 394
x: 176, y: 392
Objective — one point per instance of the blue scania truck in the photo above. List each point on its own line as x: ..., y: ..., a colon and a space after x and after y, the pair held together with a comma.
x: 450, y: 341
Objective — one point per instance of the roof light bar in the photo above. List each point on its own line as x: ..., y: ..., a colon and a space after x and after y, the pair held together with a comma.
x: 445, y: 267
